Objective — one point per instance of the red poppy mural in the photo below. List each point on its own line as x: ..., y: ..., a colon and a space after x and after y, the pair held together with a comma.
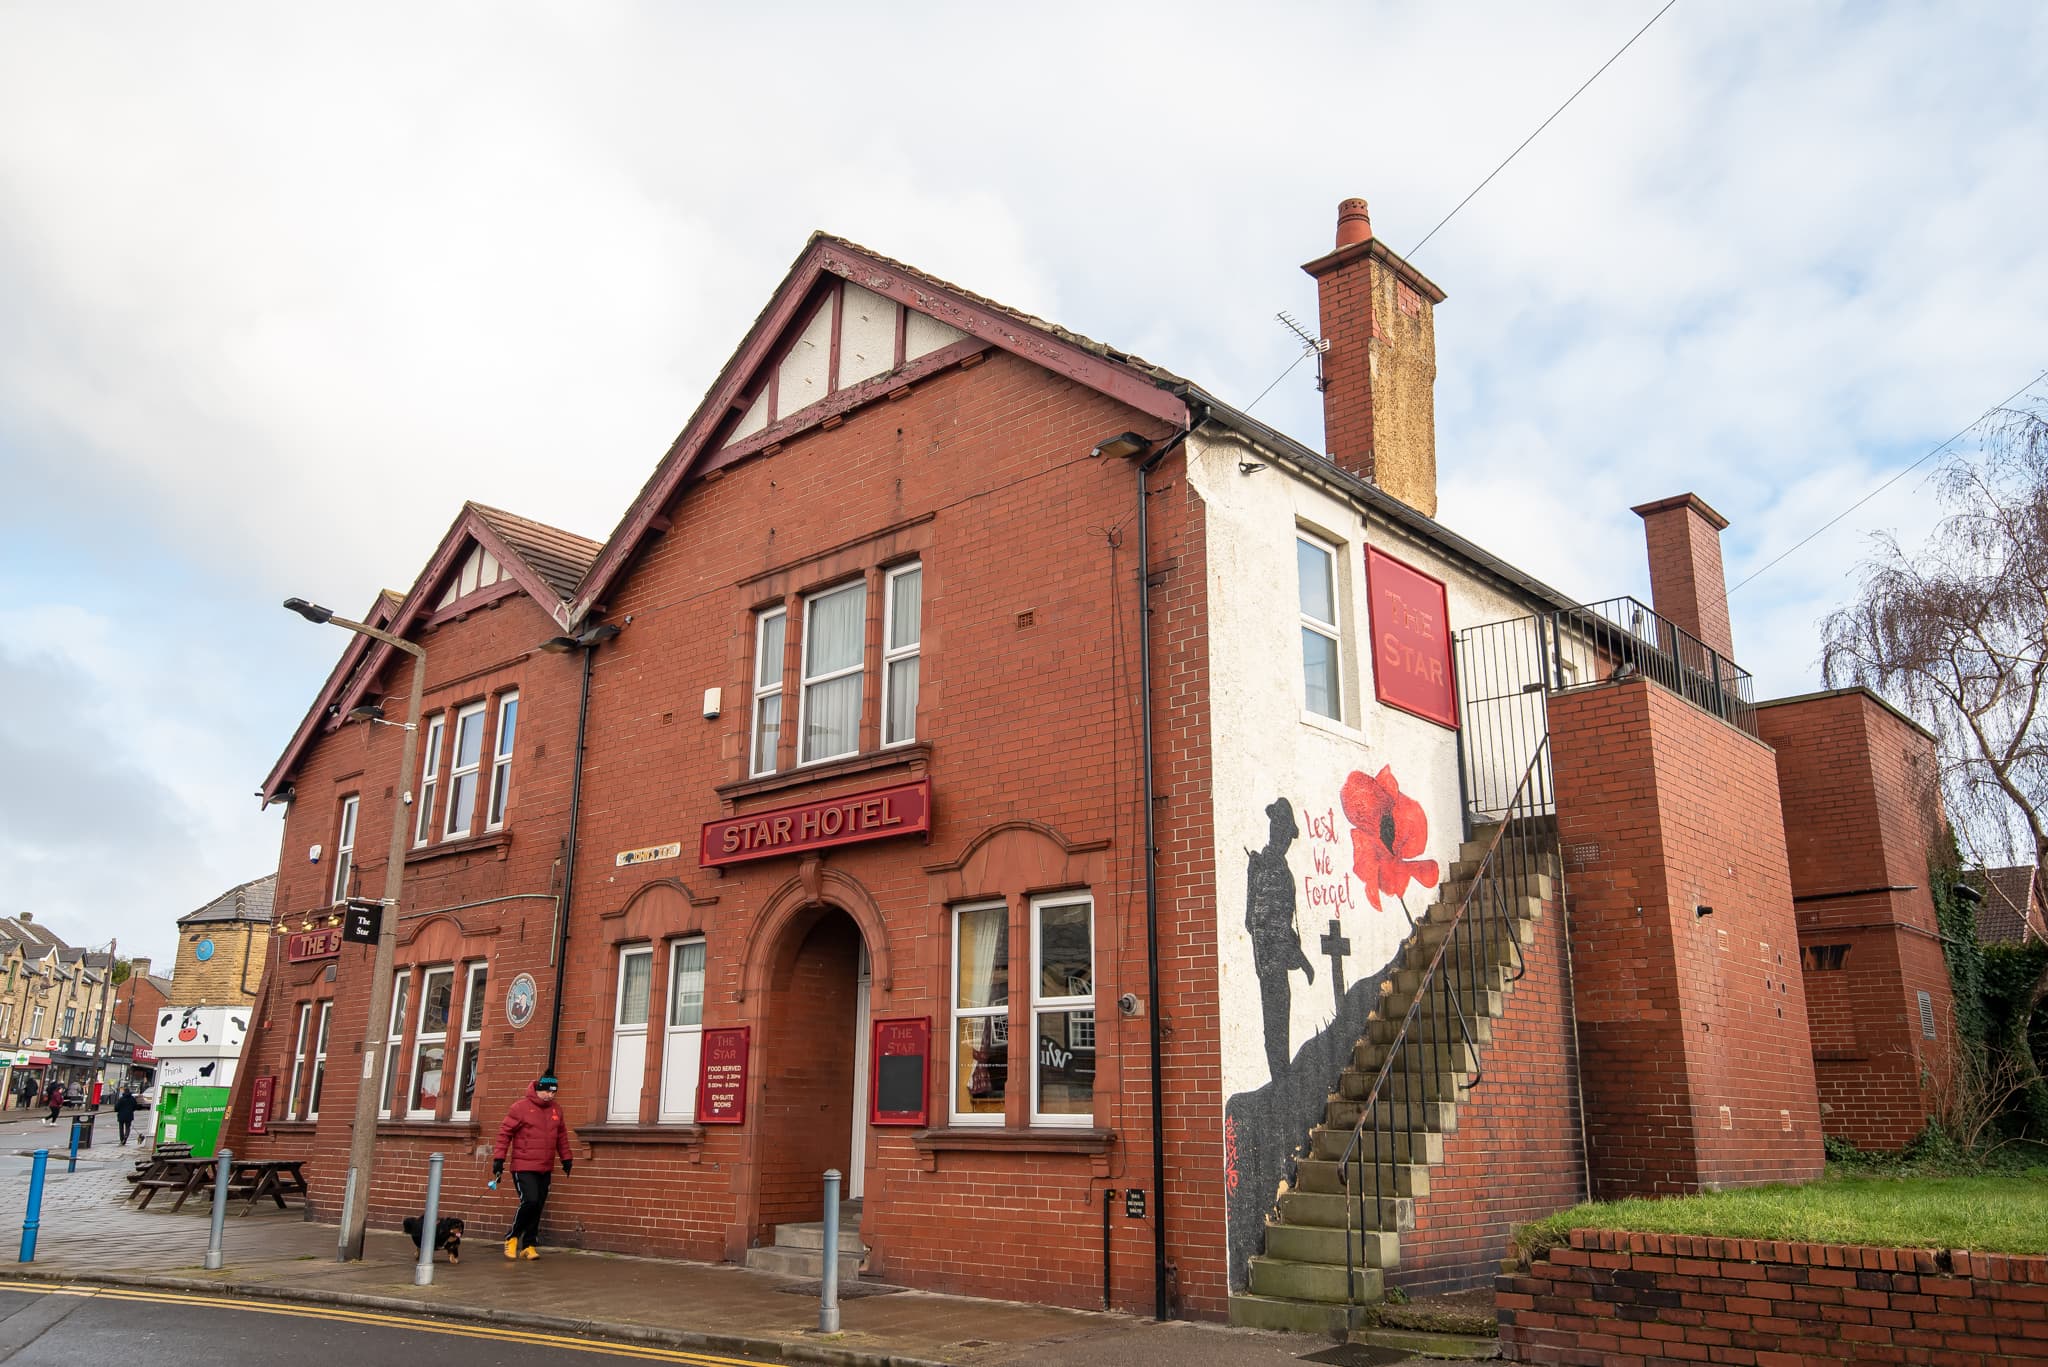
x: 1389, y: 832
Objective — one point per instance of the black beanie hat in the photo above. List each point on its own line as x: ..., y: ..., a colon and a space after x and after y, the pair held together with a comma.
x: 546, y: 1081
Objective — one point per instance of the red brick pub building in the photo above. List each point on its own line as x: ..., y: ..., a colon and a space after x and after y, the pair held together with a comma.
x: 986, y: 764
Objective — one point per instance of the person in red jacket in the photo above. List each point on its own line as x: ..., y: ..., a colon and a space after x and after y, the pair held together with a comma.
x: 533, y: 1136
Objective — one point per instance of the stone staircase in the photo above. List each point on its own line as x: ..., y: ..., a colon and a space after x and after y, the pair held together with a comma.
x: 799, y: 1249
x: 1299, y: 1282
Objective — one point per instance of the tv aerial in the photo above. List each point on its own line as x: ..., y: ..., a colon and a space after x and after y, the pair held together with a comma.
x: 1311, y: 345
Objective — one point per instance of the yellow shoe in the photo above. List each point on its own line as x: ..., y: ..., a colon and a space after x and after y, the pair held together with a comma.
x: 511, y: 1248
x: 529, y: 1252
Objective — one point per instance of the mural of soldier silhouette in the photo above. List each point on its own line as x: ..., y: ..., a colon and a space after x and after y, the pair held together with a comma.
x: 1276, y: 940
x: 1264, y: 1128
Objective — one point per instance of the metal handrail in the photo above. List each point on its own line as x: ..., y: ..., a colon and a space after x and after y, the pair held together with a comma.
x: 1472, y: 941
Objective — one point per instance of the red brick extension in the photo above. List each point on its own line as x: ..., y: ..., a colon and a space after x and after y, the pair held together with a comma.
x: 1859, y: 793
x: 1516, y: 1154
x: 1693, y: 1041
x: 1612, y: 1300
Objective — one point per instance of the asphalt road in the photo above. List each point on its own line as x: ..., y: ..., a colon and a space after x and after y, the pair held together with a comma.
x: 91, y: 1327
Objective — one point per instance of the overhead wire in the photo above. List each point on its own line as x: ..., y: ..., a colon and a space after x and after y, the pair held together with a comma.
x: 1496, y: 171
x: 1931, y: 453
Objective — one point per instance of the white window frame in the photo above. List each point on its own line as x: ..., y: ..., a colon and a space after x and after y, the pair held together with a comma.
x: 616, y: 1114
x: 1000, y: 1011
x: 759, y: 764
x: 422, y: 1037
x: 807, y: 681
x: 319, y: 1074
x: 430, y: 779
x: 682, y: 1045
x: 394, y: 1039
x: 37, y: 1028
x: 1331, y: 631
x: 457, y: 771
x: 895, y: 655
x: 295, y: 1105
x: 345, y: 845
x: 503, y: 739
x: 1054, y: 1005
x: 471, y: 1037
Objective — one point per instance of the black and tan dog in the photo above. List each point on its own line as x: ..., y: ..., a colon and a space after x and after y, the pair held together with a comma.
x: 447, y: 1234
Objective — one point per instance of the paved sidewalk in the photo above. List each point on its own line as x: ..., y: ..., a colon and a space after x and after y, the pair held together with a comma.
x: 90, y: 1231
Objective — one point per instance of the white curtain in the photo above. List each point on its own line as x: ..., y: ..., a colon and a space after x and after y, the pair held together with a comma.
x: 834, y: 637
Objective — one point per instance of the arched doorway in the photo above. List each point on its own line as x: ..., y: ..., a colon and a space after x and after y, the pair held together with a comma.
x: 812, y: 1050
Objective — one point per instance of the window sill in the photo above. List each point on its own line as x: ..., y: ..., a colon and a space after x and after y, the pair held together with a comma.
x: 1095, y: 1144
x: 290, y: 1127
x: 426, y: 1129
x: 915, y: 757
x: 1320, y: 722
x: 679, y: 1135
x: 472, y: 844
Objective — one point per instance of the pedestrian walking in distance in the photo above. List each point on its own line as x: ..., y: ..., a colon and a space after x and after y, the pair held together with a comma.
x: 532, y: 1137
x: 54, y: 1099
x: 124, y: 1111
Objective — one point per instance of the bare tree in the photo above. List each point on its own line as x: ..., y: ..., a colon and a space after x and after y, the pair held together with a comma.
x: 1956, y: 634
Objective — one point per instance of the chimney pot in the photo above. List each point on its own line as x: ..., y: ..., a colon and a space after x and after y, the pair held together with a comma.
x: 1354, y: 223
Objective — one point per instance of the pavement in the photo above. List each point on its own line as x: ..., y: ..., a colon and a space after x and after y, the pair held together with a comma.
x: 91, y: 1232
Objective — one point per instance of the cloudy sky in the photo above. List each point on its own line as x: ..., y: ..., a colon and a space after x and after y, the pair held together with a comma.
x: 281, y: 285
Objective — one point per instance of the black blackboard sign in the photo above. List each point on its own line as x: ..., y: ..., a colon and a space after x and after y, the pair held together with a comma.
x: 901, y: 1065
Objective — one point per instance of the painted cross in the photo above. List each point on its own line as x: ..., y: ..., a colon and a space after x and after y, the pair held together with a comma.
x: 1336, y: 946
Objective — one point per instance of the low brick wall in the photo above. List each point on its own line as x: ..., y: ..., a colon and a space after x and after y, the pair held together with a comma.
x: 1610, y: 1299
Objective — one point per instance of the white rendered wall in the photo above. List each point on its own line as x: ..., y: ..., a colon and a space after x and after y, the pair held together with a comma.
x: 1266, y: 746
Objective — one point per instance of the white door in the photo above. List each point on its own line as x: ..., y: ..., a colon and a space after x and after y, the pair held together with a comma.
x: 629, y: 1036
x: 857, y: 1165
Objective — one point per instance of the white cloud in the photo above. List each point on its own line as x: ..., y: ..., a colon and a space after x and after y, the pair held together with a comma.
x: 284, y: 286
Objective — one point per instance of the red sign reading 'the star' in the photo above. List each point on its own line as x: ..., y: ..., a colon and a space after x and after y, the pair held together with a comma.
x: 722, y: 1077
x: 1411, y: 640
x: 302, y: 945
x: 905, y: 809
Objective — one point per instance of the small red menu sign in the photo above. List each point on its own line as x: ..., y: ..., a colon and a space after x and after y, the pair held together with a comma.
x: 260, y: 1100
x: 722, y: 1078
x: 904, y: 809
x: 1411, y: 640
x: 897, y: 1088
x: 302, y: 945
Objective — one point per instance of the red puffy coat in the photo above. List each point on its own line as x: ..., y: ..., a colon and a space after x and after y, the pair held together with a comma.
x: 533, y: 1135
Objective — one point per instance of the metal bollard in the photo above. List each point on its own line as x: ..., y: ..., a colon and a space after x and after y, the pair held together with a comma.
x: 74, y: 1145
x: 423, y: 1275
x: 220, y: 1208
x: 828, y: 1289
x: 34, y: 1219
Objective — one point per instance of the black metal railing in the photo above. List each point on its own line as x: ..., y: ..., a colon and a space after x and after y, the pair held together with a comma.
x: 1433, y: 1054
x: 1508, y: 670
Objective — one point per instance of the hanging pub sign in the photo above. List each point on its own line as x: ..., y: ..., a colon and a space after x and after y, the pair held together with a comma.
x: 722, y: 1078
x: 260, y: 1099
x: 361, y: 920
x: 901, y: 1064
x: 904, y: 809
x: 1411, y: 639
x: 302, y: 946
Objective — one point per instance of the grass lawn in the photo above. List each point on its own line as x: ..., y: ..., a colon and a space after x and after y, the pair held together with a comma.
x: 1994, y: 1214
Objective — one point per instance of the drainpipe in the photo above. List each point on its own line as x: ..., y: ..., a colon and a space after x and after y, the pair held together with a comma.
x: 1149, y: 463
x: 587, y: 641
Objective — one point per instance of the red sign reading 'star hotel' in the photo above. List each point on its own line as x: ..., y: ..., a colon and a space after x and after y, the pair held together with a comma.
x: 905, y: 809
x: 1411, y: 639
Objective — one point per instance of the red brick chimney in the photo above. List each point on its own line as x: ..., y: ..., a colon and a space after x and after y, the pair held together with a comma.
x: 1379, y: 390
x: 1686, y: 583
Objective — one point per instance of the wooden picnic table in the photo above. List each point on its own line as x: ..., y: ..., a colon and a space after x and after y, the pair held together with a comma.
x: 182, y: 1174
x: 277, y: 1178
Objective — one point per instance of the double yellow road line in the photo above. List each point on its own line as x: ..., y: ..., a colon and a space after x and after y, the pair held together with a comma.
x: 345, y: 1315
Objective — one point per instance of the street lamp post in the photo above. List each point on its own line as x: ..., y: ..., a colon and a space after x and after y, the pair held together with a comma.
x: 362, y: 1148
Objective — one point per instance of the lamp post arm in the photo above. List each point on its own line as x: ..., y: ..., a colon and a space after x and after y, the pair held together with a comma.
x: 396, y: 642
